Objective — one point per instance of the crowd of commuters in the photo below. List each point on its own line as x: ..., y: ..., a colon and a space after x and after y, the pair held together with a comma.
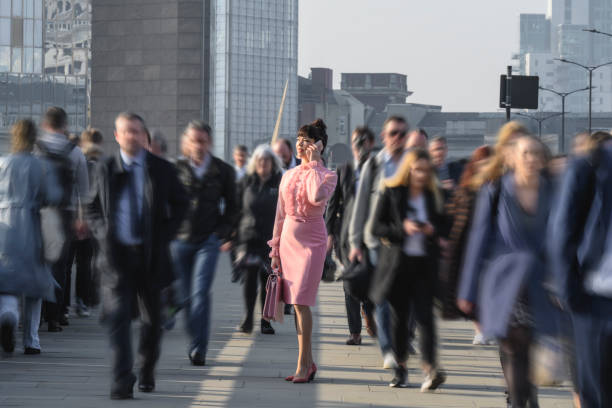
x: 511, y: 238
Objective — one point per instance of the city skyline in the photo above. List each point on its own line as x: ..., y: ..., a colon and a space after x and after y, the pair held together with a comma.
x: 363, y: 41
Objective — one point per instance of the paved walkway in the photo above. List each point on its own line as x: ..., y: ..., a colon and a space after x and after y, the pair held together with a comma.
x: 248, y: 371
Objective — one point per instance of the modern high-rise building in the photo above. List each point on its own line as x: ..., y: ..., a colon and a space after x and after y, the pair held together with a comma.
x: 567, y: 20
x: 44, y: 60
x: 223, y: 61
x: 254, y: 53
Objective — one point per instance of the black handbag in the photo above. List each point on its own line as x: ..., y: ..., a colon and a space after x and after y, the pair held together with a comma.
x: 357, y: 278
x: 329, y: 269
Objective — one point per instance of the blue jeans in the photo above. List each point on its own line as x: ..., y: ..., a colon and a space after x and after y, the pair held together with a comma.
x: 195, y: 264
x: 383, y: 315
x: 31, y: 321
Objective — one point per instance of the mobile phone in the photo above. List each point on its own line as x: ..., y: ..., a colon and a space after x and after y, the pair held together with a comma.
x: 319, y: 145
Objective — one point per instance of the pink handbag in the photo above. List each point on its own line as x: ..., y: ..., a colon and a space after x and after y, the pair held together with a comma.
x: 274, y: 307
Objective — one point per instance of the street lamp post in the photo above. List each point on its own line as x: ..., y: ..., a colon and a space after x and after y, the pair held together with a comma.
x: 594, y: 31
x: 590, y: 70
x: 563, y: 95
x: 540, y: 120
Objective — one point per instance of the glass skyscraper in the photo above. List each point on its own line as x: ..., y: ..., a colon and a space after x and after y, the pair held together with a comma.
x: 253, y: 54
x: 44, y: 60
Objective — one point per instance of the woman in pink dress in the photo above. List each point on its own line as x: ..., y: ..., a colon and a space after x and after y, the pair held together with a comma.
x: 300, y: 237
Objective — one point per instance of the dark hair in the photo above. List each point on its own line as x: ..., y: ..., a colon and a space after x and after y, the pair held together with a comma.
x: 159, y: 138
x: 132, y: 116
x: 316, y: 131
x: 56, y: 118
x: 23, y: 136
x: 91, y: 135
x: 599, y: 138
x: 241, y: 148
x: 424, y: 133
x: 395, y: 118
x: 365, y: 133
x: 148, y: 133
x: 200, y: 126
x: 440, y: 139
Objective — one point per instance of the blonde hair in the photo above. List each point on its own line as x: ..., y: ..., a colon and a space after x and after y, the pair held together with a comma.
x: 404, y: 170
x: 497, y: 166
x: 23, y: 136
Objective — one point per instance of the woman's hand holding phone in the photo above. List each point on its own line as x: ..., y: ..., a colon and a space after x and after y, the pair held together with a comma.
x: 314, y: 151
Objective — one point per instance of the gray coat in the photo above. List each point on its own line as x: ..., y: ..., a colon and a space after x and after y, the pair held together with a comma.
x: 25, y: 187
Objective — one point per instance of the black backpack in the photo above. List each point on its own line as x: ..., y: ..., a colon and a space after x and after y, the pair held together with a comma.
x: 62, y: 165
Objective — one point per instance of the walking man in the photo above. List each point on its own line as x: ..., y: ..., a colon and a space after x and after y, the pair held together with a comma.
x: 136, y: 209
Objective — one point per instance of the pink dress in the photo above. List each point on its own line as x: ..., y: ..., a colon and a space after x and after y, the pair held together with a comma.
x: 300, y: 236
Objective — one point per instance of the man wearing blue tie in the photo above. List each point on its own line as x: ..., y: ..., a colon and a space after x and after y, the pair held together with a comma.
x: 136, y: 209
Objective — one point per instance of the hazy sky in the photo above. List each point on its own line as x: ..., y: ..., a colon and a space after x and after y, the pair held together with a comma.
x: 452, y: 51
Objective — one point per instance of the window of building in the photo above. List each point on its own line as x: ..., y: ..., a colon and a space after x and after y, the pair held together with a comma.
x: 17, y: 8
x: 5, y: 31
x: 5, y: 59
x: 5, y: 8
x: 16, y: 60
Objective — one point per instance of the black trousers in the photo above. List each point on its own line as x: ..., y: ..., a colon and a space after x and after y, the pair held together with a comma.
x: 252, y: 275
x: 514, y: 358
x: 353, y: 312
x: 413, y: 290
x: 53, y: 310
x: 81, y: 253
x: 133, y: 288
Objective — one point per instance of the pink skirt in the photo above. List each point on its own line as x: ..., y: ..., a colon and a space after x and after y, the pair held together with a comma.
x: 302, y: 251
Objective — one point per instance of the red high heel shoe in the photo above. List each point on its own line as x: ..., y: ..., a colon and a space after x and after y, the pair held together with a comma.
x: 309, y: 377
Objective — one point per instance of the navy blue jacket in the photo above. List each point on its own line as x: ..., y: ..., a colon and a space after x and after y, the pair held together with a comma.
x: 578, y: 230
x: 503, y: 259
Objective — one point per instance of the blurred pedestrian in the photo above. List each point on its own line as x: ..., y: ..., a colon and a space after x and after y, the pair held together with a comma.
x: 205, y: 230
x: 62, y: 223
x: 82, y: 247
x: 337, y: 219
x: 282, y: 148
x: 417, y: 139
x: 504, y: 250
x: 159, y: 145
x: 407, y: 220
x: 448, y: 172
x: 299, y: 240
x: 137, y: 207
x: 257, y: 198
x: 460, y: 210
x: 580, y: 249
x: 365, y: 246
x: 26, y: 185
x: 241, y: 155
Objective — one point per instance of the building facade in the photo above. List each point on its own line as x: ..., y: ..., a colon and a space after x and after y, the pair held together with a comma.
x: 44, y: 61
x: 253, y: 56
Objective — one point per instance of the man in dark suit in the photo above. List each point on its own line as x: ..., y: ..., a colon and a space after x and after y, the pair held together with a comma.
x: 337, y: 220
x: 449, y: 173
x: 136, y: 208
x: 581, y: 257
x: 282, y: 148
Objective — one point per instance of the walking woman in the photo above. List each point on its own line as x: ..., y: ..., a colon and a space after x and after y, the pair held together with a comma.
x: 460, y: 211
x: 407, y: 222
x: 299, y: 242
x: 25, y: 187
x: 257, y: 198
x: 503, y: 272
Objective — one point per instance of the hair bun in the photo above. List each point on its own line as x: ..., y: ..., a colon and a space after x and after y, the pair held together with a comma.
x: 318, y: 123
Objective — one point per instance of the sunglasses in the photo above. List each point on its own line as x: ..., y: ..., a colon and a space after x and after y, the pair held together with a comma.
x: 396, y: 132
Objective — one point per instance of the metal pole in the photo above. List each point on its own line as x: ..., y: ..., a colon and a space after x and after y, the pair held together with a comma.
x: 540, y: 128
x: 508, y: 94
x: 590, y: 98
x: 562, y: 140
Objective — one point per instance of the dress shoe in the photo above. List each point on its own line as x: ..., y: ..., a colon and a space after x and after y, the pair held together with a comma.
x: 197, y: 358
x: 309, y: 377
x: 7, y: 335
x: 146, y: 382
x: 124, y: 390
x: 54, y: 326
x: 31, y: 351
x: 266, y: 327
x: 246, y: 327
